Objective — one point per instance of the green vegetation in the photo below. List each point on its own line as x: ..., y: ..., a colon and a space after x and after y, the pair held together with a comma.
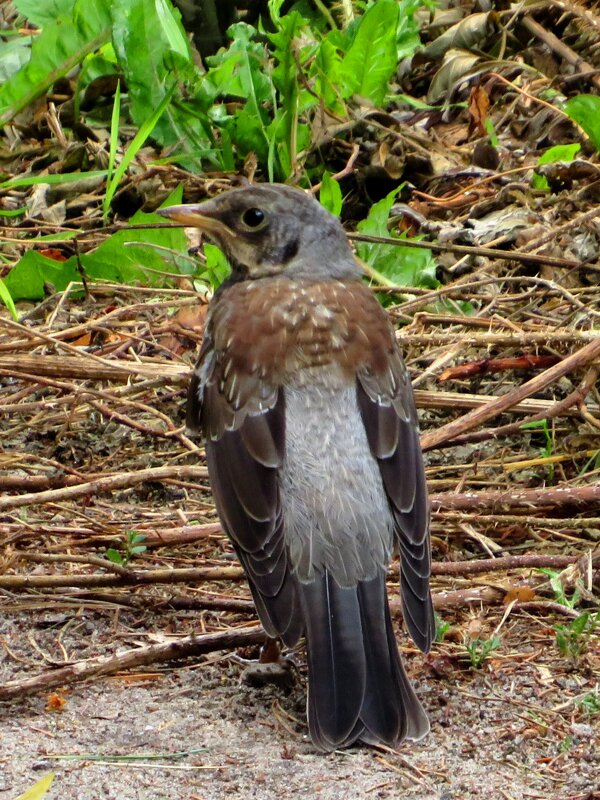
x: 132, y: 546
x: 479, y: 650
x: 260, y: 97
x: 560, y: 596
x: 573, y: 638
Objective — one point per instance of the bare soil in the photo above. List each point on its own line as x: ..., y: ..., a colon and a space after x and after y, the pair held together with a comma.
x: 512, y: 729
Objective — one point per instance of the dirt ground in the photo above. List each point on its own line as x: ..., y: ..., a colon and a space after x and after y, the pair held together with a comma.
x: 510, y: 730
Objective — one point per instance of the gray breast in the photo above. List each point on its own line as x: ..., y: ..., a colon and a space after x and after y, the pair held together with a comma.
x: 335, y: 510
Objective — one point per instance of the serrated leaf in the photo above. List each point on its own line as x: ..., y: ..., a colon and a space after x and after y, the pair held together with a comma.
x: 60, y: 46
x: 372, y: 57
x: 152, y: 50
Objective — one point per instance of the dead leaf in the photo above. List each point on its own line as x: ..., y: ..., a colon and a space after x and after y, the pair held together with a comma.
x: 55, y: 702
x: 54, y: 253
x: 522, y: 594
x: 479, y: 105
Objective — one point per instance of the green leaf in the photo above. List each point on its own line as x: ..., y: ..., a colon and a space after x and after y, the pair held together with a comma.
x: 153, y: 52
x: 61, y: 45
x: 39, y: 789
x: 122, y: 258
x: 400, y: 266
x: 43, y: 14
x: 325, y: 68
x: 560, y: 152
x: 28, y: 278
x: 217, y: 266
x: 114, y: 556
x: 372, y: 57
x: 14, y: 54
x: 138, y: 140
x: 330, y: 195
x: 285, y: 79
x: 6, y: 298
x: 585, y: 111
x: 408, y: 39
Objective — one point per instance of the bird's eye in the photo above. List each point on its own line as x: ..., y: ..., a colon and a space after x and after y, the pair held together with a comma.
x: 253, y: 217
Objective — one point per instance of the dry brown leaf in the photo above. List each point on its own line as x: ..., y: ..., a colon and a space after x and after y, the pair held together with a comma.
x: 522, y: 594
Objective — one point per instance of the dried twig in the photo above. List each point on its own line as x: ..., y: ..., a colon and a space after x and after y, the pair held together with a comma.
x: 187, y: 647
x: 122, y: 480
x: 470, y: 421
x: 538, y: 499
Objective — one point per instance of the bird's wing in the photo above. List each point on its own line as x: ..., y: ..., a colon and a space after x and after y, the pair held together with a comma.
x: 386, y: 402
x: 243, y: 419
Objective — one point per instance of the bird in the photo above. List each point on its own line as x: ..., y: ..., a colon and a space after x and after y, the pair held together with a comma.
x: 313, y: 455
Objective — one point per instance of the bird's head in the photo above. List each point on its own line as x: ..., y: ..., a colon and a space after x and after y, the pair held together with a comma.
x: 272, y: 229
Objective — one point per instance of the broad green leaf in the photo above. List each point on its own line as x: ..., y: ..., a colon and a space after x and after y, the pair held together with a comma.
x: 153, y: 53
x: 46, y: 12
x: 401, y: 266
x: 376, y: 223
x: 123, y: 258
x: 172, y: 29
x: 372, y: 57
x: 28, y: 279
x: 114, y: 556
x: 242, y: 71
x: 325, y: 68
x: 126, y: 257
x: 408, y: 39
x: 560, y: 152
x: 59, y: 47
x: 330, y: 195
x: 14, y: 54
x: 38, y: 791
x: 585, y: 111
x: 217, y: 266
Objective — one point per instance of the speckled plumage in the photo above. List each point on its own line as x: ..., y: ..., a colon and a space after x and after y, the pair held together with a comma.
x: 312, y: 449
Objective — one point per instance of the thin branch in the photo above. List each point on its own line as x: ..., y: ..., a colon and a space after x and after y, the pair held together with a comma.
x: 122, y: 480
x: 497, y: 406
x: 187, y: 647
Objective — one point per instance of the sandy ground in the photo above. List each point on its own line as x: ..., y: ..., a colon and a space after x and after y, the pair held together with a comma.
x: 493, y: 735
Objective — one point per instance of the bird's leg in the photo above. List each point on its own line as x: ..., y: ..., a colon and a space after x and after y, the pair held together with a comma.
x: 270, y: 652
x: 271, y: 667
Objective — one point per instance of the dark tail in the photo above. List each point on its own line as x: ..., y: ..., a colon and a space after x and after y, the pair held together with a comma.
x: 357, y: 686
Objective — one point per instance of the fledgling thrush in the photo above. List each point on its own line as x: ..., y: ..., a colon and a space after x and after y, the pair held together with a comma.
x: 313, y: 454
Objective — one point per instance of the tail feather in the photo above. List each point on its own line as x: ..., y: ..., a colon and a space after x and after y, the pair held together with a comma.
x: 336, y: 661
x: 357, y: 686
